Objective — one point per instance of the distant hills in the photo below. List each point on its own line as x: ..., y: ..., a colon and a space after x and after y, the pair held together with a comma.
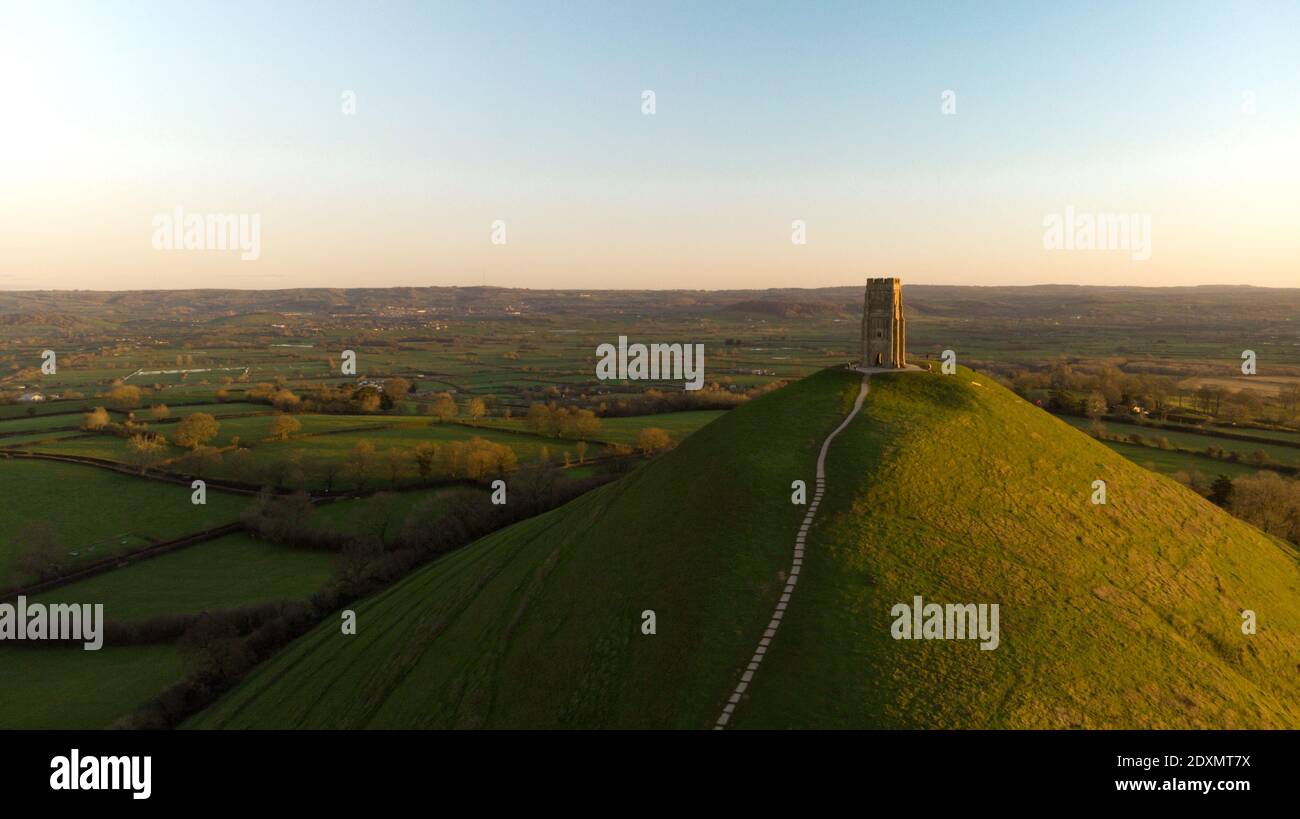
x: 1138, y: 305
x: 791, y: 309
x: 61, y: 321
x: 1122, y: 615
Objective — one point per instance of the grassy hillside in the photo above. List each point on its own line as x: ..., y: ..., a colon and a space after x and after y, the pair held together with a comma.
x: 1122, y: 615
x: 949, y: 487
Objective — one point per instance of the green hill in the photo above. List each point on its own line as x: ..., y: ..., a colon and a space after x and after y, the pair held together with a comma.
x: 948, y: 487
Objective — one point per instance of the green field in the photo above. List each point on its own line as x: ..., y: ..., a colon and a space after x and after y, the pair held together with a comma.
x: 26, y: 441
x: 624, y: 430
x: 678, y: 425
x: 254, y: 429
x: 97, y: 513
x: 403, y: 437
x: 322, y: 437
x: 38, y: 423
x: 86, y: 445
x: 216, y: 408
x: 1123, y: 615
x: 1289, y: 456
x: 1169, y: 462
x: 14, y: 411
x: 231, y: 571
x: 68, y: 687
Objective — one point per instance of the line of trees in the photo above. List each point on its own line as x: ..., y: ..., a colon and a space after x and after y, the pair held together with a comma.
x: 1258, y: 457
x: 1270, y: 501
x: 1106, y: 388
x: 473, y: 459
x: 562, y: 422
x: 1267, y: 500
x: 654, y: 401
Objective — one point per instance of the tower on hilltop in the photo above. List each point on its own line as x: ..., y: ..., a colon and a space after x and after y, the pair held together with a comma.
x: 884, y: 330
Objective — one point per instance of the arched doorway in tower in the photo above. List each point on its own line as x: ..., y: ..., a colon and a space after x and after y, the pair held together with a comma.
x: 880, y: 359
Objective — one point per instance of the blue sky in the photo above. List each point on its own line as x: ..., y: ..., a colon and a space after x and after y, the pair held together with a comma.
x: 766, y: 113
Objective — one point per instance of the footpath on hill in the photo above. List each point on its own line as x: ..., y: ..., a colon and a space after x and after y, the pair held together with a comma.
x: 796, y: 564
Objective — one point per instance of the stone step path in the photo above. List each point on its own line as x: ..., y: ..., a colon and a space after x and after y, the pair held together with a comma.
x: 795, y: 567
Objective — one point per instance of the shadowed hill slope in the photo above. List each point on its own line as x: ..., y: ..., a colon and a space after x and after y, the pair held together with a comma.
x: 950, y: 487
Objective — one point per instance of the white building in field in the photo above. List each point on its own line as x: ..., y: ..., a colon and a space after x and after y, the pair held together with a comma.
x: 29, y: 397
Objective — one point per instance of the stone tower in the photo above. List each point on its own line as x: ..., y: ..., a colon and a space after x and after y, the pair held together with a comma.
x: 884, y: 330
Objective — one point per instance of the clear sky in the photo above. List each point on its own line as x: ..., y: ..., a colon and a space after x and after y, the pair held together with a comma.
x: 531, y: 113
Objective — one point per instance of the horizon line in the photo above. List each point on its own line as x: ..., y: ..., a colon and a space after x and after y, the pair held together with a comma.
x: 1224, y: 286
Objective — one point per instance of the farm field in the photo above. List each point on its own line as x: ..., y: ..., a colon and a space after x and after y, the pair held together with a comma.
x: 87, y: 445
x: 1270, y: 385
x: 25, y: 440
x: 95, y: 512
x: 1189, y: 440
x: 1277, y: 434
x: 677, y: 424
x: 338, y: 447
x: 228, y: 572
x: 39, y: 422
x: 251, y: 430
x: 15, y: 411
x: 68, y: 687
x: 624, y: 429
x: 1169, y: 462
x: 218, y: 408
